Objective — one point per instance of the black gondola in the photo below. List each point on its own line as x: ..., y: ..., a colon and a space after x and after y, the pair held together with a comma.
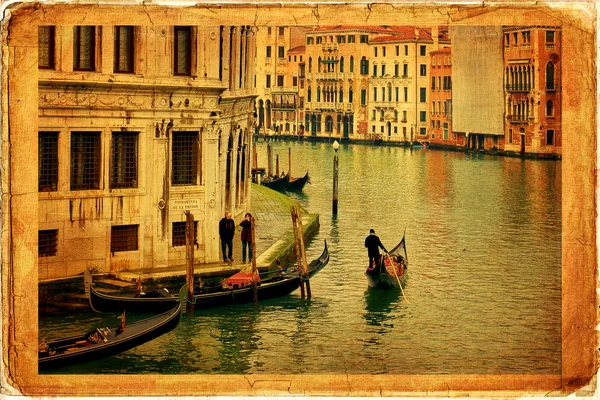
x: 276, y: 286
x: 297, y: 184
x: 384, y: 277
x: 156, y: 301
x: 105, y: 342
x: 276, y: 182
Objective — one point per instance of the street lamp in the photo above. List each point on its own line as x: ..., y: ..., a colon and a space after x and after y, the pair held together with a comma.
x: 336, y: 146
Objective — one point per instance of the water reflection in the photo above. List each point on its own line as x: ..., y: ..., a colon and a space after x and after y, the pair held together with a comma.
x: 379, y: 303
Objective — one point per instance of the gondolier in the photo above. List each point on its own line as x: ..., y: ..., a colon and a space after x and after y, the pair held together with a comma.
x: 372, y: 243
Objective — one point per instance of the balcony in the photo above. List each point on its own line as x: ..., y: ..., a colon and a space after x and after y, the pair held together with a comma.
x: 330, y: 47
x: 517, y: 119
x: 284, y: 106
x: 517, y: 88
x: 330, y: 75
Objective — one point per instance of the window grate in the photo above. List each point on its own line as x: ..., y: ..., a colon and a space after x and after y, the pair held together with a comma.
x: 124, y: 162
x: 46, y: 47
x: 185, y: 158
x: 85, y: 160
x: 48, y: 161
x: 47, y: 242
x: 179, y: 233
x: 124, y: 238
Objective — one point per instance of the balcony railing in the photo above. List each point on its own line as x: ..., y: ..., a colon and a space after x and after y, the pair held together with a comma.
x: 517, y: 119
x: 518, y: 88
x: 329, y: 75
x: 285, y: 105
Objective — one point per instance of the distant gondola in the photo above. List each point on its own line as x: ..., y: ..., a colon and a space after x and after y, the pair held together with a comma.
x: 297, y: 184
x: 105, y: 342
x: 156, y: 301
x: 276, y: 286
x: 382, y: 275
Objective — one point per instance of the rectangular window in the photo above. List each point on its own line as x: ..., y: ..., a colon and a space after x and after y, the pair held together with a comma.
x: 404, y: 116
x: 397, y: 94
x: 396, y: 70
x: 383, y: 49
x: 423, y: 69
x: 405, y: 94
x: 507, y: 39
x: 85, y: 160
x: 124, y: 49
x: 373, y: 128
x: 279, y: 80
x: 268, y: 52
x: 374, y: 94
x: 179, y: 233
x: 423, y: 95
x: 374, y: 70
x: 294, y: 81
x: 46, y: 35
x: 124, y: 160
x: 374, y: 115
x: 84, y: 48
x: 383, y: 70
x: 281, y: 30
x: 281, y: 51
x: 433, y: 83
x: 185, y: 158
x: 351, y: 39
x: 405, y: 70
x: 423, y: 116
x: 382, y: 129
x: 510, y: 136
x: 319, y: 40
x: 364, y: 39
x: 47, y: 242
x: 269, y: 31
x: 268, y: 81
x: 124, y: 238
x: 397, y: 51
x: 48, y: 161
x: 363, y: 97
x: 405, y: 49
x: 550, y: 137
x: 445, y: 131
x: 364, y: 66
x: 182, y: 50
x: 423, y: 50
x: 422, y: 131
x: 375, y: 48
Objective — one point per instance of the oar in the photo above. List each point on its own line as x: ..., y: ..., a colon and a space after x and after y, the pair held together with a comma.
x: 398, y: 279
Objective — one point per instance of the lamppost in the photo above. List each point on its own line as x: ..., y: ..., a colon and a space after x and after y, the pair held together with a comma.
x: 336, y: 146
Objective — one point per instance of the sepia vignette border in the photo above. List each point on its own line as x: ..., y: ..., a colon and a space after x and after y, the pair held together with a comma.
x: 20, y: 195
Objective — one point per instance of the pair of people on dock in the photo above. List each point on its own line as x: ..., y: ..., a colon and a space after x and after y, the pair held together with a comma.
x: 226, y: 233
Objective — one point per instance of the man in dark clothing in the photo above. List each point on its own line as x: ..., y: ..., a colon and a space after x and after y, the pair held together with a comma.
x: 372, y: 243
x: 226, y: 231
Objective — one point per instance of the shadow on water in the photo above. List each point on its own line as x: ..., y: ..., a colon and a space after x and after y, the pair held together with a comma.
x: 380, y: 305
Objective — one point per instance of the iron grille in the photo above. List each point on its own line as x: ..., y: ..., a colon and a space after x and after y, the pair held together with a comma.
x: 124, y: 238
x: 47, y: 242
x: 48, y: 161
x: 179, y: 233
x: 185, y: 158
x: 85, y: 160
x: 124, y: 161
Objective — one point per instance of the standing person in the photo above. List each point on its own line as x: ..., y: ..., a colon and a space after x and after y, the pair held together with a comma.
x: 226, y: 231
x: 246, y: 225
x: 372, y: 243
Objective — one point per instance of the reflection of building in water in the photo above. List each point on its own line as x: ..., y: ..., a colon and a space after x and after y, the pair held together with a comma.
x: 136, y: 125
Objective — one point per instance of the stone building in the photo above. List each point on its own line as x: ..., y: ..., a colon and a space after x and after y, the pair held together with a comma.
x: 137, y: 124
x: 440, y: 103
x: 532, y: 66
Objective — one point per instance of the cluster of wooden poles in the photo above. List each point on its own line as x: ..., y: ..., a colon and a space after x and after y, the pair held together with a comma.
x: 270, y: 162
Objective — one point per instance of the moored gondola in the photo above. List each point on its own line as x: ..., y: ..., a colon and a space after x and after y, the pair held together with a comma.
x: 275, y: 182
x: 105, y: 342
x: 156, y: 301
x: 279, y: 285
x: 390, y: 270
x: 297, y: 184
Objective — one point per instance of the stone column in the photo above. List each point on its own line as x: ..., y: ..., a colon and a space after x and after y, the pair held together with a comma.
x: 235, y: 58
x: 65, y: 55
x: 107, y: 44
x: 244, y: 52
x: 225, y: 68
x: 213, y: 210
x: 20, y: 198
x: 251, y: 58
x: 159, y: 161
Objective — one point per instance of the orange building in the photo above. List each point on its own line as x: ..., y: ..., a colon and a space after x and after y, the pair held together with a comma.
x: 440, y: 104
x: 532, y: 64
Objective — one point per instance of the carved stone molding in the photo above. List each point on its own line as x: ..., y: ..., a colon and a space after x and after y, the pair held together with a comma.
x: 163, y: 130
x: 212, y: 130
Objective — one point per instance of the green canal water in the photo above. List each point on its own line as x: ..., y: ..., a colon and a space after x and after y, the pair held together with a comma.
x: 483, y: 236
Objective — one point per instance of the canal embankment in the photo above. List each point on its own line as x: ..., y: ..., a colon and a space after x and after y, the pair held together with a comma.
x: 274, y: 243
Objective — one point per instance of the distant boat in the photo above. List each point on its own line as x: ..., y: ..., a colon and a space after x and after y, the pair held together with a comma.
x: 297, y: 184
x: 275, y: 182
x: 105, y: 342
x: 384, y: 273
x: 418, y: 145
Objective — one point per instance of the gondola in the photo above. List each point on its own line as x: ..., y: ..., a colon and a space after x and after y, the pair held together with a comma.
x: 280, y: 285
x: 382, y: 274
x: 297, y: 184
x: 156, y: 301
x: 105, y: 342
x: 276, y: 182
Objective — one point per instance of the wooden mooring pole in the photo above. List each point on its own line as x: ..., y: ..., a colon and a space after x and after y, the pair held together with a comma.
x: 297, y: 250
x: 269, y: 161
x: 290, y: 162
x: 190, y: 234
x: 277, y: 165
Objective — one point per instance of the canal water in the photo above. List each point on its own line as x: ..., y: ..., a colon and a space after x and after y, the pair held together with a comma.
x: 483, y: 292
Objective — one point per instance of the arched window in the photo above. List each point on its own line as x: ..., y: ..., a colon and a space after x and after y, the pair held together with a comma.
x: 328, y: 124
x: 309, y: 65
x: 550, y: 76
x: 342, y: 64
x: 549, y: 108
x: 318, y: 94
x: 341, y: 99
x: 319, y: 65
x: 507, y: 79
x: 350, y: 93
x: 364, y: 66
x: 309, y: 95
x: 351, y: 63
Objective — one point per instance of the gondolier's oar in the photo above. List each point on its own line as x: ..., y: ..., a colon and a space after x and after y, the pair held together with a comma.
x: 396, y: 275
